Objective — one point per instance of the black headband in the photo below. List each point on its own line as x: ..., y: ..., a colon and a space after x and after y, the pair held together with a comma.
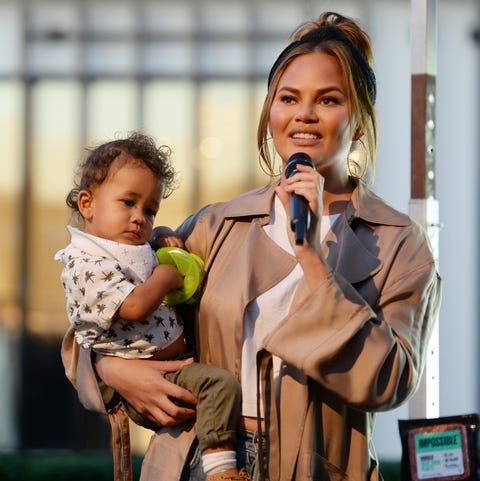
x: 325, y: 33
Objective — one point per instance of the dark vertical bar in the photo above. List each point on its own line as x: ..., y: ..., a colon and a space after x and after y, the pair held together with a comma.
x: 423, y: 136
x: 24, y: 227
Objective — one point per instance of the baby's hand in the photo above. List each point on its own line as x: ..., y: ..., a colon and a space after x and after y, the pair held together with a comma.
x: 170, y: 276
x: 163, y: 236
x: 190, y: 267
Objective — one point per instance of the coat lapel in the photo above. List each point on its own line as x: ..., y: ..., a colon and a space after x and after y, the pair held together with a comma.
x: 347, y: 255
x: 350, y: 246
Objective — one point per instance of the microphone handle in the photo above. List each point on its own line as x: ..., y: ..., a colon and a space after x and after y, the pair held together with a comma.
x: 299, y: 217
x: 300, y: 229
x: 299, y: 211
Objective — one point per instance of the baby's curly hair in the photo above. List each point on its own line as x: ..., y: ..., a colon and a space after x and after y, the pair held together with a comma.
x: 95, y: 168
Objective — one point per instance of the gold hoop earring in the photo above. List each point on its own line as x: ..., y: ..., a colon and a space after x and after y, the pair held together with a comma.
x: 357, y: 160
x: 266, y: 161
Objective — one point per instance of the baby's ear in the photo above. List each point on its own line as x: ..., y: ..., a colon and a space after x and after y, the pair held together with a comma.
x: 84, y: 202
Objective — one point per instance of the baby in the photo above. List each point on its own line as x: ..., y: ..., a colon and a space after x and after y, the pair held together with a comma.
x: 115, y: 288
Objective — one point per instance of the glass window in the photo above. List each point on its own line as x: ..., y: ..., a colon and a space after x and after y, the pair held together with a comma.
x: 224, y: 58
x: 107, y: 18
x: 110, y: 57
x: 168, y: 18
x: 55, y: 148
x: 169, y: 107
x: 11, y: 184
x: 11, y: 35
x: 112, y: 108
x: 169, y: 58
x: 217, y: 17
x: 225, y: 140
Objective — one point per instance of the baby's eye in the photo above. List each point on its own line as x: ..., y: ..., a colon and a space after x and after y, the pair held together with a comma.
x: 129, y: 203
x: 151, y: 212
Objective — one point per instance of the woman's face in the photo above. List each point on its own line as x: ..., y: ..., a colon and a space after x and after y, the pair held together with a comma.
x: 310, y: 113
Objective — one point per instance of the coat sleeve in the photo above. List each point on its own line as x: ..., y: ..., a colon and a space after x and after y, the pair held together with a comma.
x: 92, y: 392
x: 371, y: 357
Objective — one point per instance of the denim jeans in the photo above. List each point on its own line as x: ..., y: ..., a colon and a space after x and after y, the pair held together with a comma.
x: 247, y: 457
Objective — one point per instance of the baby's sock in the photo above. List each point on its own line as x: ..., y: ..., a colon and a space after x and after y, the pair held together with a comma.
x: 219, y: 461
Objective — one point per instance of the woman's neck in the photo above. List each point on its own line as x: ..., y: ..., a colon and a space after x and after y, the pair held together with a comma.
x: 336, y: 196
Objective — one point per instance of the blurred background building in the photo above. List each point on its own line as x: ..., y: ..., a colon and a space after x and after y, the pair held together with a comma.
x: 192, y: 73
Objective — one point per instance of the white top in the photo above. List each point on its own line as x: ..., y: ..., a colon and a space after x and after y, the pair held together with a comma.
x: 268, y: 309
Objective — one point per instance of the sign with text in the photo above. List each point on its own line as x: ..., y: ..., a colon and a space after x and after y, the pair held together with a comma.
x: 441, y: 449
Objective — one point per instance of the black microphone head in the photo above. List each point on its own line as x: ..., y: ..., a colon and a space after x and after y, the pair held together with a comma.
x: 297, y: 158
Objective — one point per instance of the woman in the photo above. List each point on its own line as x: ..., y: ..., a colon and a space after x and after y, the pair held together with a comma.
x: 341, y: 321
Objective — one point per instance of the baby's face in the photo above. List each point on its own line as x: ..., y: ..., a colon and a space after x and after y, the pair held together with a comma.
x: 124, y: 206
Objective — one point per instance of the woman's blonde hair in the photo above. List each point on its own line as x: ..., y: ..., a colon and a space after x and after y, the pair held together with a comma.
x: 344, y: 39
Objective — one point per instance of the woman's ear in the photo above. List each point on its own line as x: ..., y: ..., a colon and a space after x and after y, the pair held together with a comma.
x: 85, y: 204
x: 358, y: 134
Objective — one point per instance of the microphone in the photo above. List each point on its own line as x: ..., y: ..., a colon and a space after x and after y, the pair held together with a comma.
x: 299, y: 211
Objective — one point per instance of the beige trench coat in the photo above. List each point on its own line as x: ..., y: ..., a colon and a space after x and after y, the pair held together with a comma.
x: 354, y: 345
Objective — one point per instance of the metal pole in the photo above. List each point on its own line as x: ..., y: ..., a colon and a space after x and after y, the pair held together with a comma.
x: 423, y: 205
